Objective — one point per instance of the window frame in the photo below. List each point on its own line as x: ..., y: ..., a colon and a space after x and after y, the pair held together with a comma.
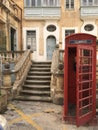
x: 89, y: 3
x: 43, y: 3
x: 69, y: 4
x: 25, y: 3
x: 75, y: 28
x: 29, y: 37
x: 69, y: 33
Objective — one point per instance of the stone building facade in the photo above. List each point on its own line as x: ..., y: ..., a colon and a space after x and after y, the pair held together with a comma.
x: 10, y: 26
x: 47, y: 22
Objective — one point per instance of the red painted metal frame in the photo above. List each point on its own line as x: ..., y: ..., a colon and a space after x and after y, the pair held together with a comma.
x: 80, y: 120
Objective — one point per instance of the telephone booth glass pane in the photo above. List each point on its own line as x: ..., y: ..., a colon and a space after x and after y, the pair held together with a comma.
x: 85, y: 82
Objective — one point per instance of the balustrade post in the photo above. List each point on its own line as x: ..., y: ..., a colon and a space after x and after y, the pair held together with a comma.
x: 7, y: 76
x: 29, y: 48
x: 7, y: 80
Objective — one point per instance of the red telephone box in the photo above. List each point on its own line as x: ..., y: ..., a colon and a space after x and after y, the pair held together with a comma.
x: 80, y: 78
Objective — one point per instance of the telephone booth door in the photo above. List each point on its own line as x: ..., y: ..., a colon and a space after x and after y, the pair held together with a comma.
x: 85, y: 90
x: 80, y: 79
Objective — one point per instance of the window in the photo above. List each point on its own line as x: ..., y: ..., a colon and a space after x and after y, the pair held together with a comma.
x: 69, y: 32
x: 51, y: 28
x: 84, y: 2
x: 45, y: 2
x: 96, y: 2
x: 54, y: 2
x: 37, y: 3
x: 89, y: 2
x: 27, y: 3
x: 88, y: 27
x: 31, y: 40
x: 69, y: 4
x: 57, y: 2
x: 51, y: 2
x: 33, y: 3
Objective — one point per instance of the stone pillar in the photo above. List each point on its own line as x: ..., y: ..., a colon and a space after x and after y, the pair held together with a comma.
x: 54, y: 68
x: 31, y: 51
x: 6, y: 76
x: 7, y: 80
x: 59, y: 89
x: 53, y: 85
x: 58, y: 86
x: 55, y: 60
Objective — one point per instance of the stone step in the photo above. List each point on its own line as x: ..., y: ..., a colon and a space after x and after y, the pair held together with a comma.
x: 37, y: 87
x: 41, y: 63
x: 39, y: 73
x: 41, y: 66
x: 40, y: 69
x: 33, y: 98
x: 35, y: 92
x: 38, y: 82
x: 39, y: 77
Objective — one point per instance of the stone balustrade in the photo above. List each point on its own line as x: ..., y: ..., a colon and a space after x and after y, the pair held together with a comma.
x: 20, y: 71
x: 10, y: 56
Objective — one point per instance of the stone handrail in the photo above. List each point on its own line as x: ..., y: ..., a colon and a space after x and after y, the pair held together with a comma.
x: 21, y: 69
x: 11, y: 56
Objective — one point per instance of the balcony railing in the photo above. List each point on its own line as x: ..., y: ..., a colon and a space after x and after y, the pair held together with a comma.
x: 89, y: 11
x: 15, y: 76
x: 42, y: 12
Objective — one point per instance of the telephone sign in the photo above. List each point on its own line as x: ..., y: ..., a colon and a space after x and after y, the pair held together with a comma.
x: 81, y: 41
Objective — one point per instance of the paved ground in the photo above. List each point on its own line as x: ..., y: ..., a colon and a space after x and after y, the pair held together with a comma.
x: 38, y: 116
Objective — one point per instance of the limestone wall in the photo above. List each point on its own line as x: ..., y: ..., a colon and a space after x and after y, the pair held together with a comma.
x: 10, y: 17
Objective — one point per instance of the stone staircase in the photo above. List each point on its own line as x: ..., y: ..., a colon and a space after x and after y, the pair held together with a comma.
x: 37, y: 84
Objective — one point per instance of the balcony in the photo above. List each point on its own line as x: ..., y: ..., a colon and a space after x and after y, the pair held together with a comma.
x: 89, y: 9
x: 42, y: 12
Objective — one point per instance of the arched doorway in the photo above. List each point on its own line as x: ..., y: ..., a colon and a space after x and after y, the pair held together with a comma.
x: 50, y: 46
